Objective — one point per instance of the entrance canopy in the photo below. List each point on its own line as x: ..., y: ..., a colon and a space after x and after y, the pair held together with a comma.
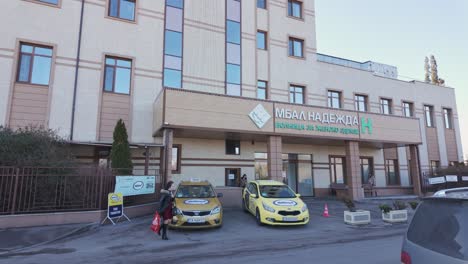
x: 191, y: 113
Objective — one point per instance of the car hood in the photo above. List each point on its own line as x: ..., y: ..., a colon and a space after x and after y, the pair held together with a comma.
x: 284, y: 203
x: 196, y: 204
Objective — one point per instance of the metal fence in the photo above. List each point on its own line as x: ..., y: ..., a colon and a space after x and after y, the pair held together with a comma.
x: 45, y: 190
x: 461, y: 173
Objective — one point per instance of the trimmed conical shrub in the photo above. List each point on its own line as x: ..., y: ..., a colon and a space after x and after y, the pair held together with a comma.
x: 121, y: 158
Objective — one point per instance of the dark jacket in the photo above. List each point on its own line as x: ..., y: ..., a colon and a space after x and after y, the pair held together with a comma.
x: 164, y: 201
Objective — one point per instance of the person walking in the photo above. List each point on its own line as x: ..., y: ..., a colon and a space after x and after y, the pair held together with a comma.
x: 243, y: 181
x: 165, y: 207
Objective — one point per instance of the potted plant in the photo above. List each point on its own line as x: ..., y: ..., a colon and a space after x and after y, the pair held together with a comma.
x: 353, y: 216
x: 414, y: 204
x: 395, y: 214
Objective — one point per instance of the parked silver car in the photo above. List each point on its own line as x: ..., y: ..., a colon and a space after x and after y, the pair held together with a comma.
x: 438, y: 232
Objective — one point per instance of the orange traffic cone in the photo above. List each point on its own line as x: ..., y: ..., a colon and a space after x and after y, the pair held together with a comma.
x: 325, y: 212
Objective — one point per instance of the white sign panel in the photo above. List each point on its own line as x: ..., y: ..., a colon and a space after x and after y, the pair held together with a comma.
x: 259, y: 116
x: 437, y: 180
x: 135, y: 185
x: 232, y: 176
x: 451, y: 178
x: 464, y: 178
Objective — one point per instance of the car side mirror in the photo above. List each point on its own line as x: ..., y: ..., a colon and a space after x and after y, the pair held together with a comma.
x: 219, y: 195
x: 253, y: 195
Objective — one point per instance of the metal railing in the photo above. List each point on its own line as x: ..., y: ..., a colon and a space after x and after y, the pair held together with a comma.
x: 47, y: 189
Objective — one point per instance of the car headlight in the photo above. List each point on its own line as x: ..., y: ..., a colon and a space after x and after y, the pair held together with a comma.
x: 216, y: 210
x: 304, y: 208
x: 268, y: 208
x: 178, y: 211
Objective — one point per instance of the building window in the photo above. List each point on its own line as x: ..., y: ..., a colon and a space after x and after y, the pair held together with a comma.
x: 124, y: 9
x: 393, y: 172
x: 232, y: 147
x: 428, y: 113
x: 360, y: 102
x: 435, y: 166
x: 34, y: 64
x: 296, y: 94
x: 448, y: 118
x: 386, y: 106
x: 296, y: 47
x: 337, y: 169
x: 408, y: 109
x: 233, y: 48
x: 52, y: 2
x: 334, y: 99
x: 262, y: 90
x: 176, y: 156
x: 261, y: 4
x: 367, y: 169
x: 173, y: 45
x: 261, y: 40
x: 294, y: 8
x: 117, y: 75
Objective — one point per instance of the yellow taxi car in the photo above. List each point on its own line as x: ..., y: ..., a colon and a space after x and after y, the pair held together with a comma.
x: 196, y: 205
x: 274, y: 203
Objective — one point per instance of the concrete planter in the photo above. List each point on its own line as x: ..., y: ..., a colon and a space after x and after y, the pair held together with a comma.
x: 360, y: 217
x: 395, y: 216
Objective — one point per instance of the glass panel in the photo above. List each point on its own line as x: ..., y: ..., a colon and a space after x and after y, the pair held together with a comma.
x: 336, y: 102
x: 290, y: 8
x: 127, y: 9
x: 339, y: 173
x: 297, y: 9
x: 261, y: 41
x: 41, y: 70
x: 291, y: 171
x: 261, y: 84
x: 261, y: 93
x: 298, y: 48
x: 26, y: 48
x: 172, y: 78
x: 305, y: 175
x: 233, y: 73
x: 233, y: 32
x: 175, y: 3
x: 110, y: 61
x: 174, y: 161
x: 233, y: 53
x: 55, y: 2
x: 233, y: 89
x: 113, y: 8
x: 174, y: 18
x: 233, y: 10
x: 124, y: 63
x: 173, y: 43
x: 23, y: 75
x: 261, y: 4
x: 109, y: 79
x: 122, y: 81
x: 172, y: 62
x: 291, y: 97
x: 43, y: 51
x: 299, y: 98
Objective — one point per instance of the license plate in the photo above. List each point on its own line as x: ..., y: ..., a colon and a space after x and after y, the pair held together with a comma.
x: 289, y: 219
x: 196, y: 220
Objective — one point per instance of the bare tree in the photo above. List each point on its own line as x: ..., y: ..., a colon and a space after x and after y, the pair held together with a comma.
x: 427, y: 70
x: 434, y: 74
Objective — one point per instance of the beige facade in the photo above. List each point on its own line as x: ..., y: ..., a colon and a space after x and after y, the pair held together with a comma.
x: 200, y: 116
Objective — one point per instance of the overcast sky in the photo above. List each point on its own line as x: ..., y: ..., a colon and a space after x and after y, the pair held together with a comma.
x: 401, y: 33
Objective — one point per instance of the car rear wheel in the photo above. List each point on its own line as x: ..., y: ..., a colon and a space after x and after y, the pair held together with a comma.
x: 258, y: 218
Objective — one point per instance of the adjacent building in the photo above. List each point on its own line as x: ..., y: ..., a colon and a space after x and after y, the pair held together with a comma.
x: 214, y: 89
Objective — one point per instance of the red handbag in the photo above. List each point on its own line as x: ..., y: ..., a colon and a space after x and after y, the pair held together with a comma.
x: 156, y: 224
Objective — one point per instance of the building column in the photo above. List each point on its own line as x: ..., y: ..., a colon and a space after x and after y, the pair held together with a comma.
x: 275, y: 160
x: 353, y: 170
x: 414, y: 169
x: 166, y: 161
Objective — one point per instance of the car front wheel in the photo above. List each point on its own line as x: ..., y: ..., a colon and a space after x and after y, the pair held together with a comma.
x: 258, y: 218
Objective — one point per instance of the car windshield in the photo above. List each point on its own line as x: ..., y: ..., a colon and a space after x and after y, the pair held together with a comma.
x: 279, y: 191
x: 195, y: 191
x: 441, y: 226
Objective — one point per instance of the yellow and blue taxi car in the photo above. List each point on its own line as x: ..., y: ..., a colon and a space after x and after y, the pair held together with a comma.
x: 196, y: 205
x: 274, y: 203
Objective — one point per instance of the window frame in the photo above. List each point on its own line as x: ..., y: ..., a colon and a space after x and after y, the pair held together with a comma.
x: 116, y: 57
x: 291, y: 3
x: 330, y: 98
x: 179, y: 158
x: 332, y: 165
x: 434, y: 166
x: 265, y: 39
x: 366, y: 102
x: 429, y: 122
x: 390, y: 105
x: 411, y: 108
x: 303, y: 87
x: 448, y: 117
x: 235, y: 145
x: 291, y: 40
x: 58, y: 5
x: 31, y: 64
x: 371, y: 167
x: 265, y: 3
x: 262, y: 88
x: 118, y: 17
x: 396, y: 167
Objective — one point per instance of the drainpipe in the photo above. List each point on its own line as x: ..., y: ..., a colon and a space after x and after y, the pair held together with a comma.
x: 77, y: 65
x: 420, y: 172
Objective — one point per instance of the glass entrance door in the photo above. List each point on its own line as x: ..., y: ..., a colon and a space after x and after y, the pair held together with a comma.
x: 297, y: 173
